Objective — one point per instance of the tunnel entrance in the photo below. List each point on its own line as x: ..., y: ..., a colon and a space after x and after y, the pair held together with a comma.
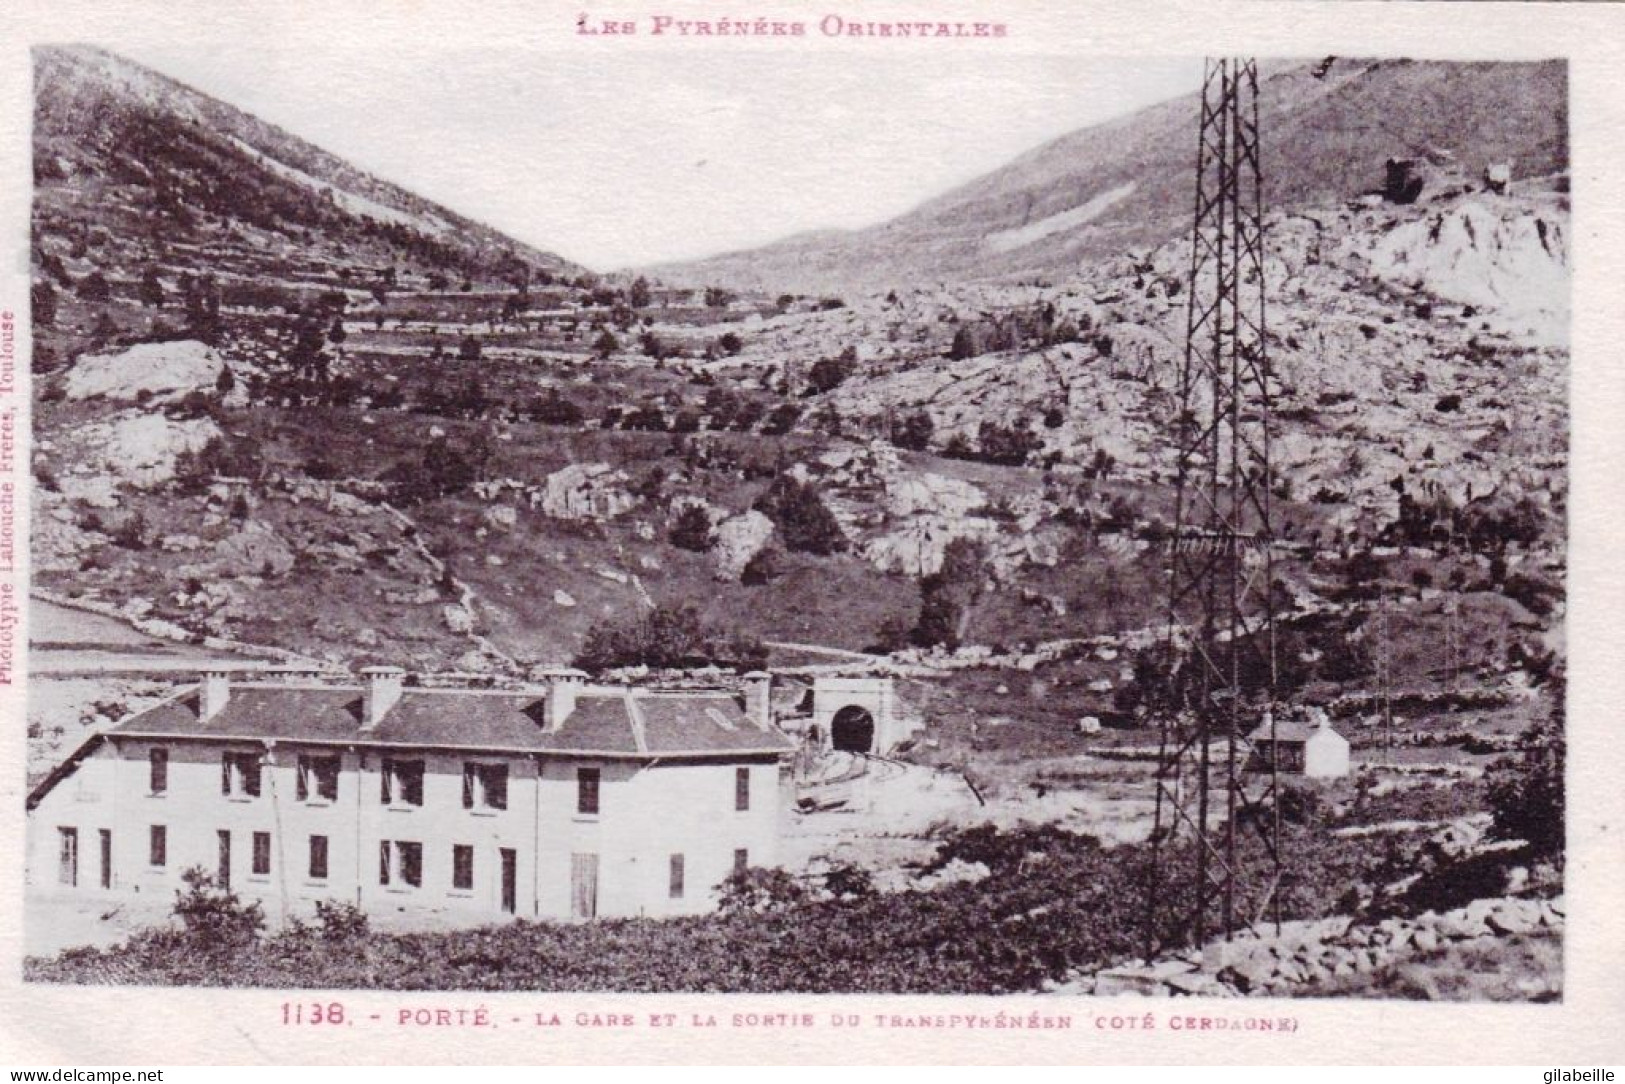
x: 853, y: 730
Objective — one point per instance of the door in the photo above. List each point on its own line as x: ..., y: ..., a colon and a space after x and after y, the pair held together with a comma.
x: 510, y: 880
x: 584, y: 885
x: 68, y: 865
x: 224, y: 876
x: 107, y: 857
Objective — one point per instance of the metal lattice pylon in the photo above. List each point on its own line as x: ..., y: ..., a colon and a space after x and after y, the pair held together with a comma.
x: 1215, y: 852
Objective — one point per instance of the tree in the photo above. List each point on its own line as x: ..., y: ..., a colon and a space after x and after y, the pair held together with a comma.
x: 805, y: 523
x: 914, y: 431
x: 469, y: 349
x: 152, y: 290
x: 639, y: 296
x: 781, y: 420
x: 717, y: 298
x: 308, y: 360
x: 667, y: 637
x: 555, y: 409
x: 1007, y: 445
x: 827, y: 374
x: 336, y: 333
x: 949, y: 596
x: 200, y: 297
x: 730, y: 343
x: 691, y: 530
x: 443, y: 469
x: 43, y: 298
x: 94, y: 287
x: 606, y: 343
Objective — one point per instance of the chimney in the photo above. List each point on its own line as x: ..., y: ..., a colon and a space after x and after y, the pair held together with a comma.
x: 383, y: 690
x: 213, y: 691
x: 758, y: 698
x: 563, y: 688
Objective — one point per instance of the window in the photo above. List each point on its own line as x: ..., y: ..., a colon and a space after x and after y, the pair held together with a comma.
x: 485, y: 786
x: 400, y: 863
x: 587, y: 791
x: 402, y: 782
x: 741, y: 789
x: 68, y: 856
x: 157, y: 846
x: 319, y: 778
x: 741, y: 860
x: 158, y: 770
x: 462, y: 867
x: 262, y: 853
x: 318, y: 858
x: 240, y: 775
x: 676, y: 889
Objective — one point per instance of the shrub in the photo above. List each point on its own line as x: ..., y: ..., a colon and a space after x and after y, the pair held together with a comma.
x: 765, y: 567
x: 213, y: 915
x: 94, y: 287
x: 554, y: 409
x: 781, y: 420
x: 691, y: 530
x: 827, y: 374
x: 757, y: 891
x: 341, y: 921
x: 1526, y: 791
x: 914, y: 431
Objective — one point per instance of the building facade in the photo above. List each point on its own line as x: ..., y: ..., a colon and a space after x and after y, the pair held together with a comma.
x: 568, y: 801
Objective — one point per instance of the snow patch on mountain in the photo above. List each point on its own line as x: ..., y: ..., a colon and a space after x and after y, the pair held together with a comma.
x: 348, y: 201
x: 1021, y: 236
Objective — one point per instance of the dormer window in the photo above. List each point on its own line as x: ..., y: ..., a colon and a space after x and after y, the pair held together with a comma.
x: 485, y: 786
x: 240, y: 775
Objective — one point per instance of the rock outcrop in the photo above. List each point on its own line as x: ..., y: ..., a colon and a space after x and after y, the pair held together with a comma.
x: 153, y: 372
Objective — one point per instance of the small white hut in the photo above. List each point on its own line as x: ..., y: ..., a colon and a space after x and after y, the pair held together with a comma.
x: 1314, y: 749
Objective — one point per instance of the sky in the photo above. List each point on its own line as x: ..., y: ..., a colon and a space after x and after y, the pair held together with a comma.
x: 620, y: 159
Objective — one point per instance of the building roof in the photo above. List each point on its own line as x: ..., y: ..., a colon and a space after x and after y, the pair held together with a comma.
x: 605, y: 722
x: 1290, y: 730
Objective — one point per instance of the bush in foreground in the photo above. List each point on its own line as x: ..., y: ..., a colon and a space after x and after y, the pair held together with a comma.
x: 1052, y: 902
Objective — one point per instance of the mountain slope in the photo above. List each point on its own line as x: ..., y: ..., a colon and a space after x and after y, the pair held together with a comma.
x: 119, y: 144
x: 1328, y: 130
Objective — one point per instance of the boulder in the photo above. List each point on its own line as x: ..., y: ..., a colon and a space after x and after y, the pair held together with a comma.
x: 738, y: 539
x: 151, y: 371
x: 457, y: 618
x: 584, y: 491
x: 254, y: 550
x: 138, y: 449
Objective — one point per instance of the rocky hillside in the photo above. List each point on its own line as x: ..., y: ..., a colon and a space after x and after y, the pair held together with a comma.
x: 1329, y: 126
x: 265, y: 416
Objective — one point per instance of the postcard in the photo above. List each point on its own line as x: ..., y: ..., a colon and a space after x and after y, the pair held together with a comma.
x: 888, y: 532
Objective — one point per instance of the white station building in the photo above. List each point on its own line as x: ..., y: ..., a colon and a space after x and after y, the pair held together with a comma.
x: 567, y: 801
